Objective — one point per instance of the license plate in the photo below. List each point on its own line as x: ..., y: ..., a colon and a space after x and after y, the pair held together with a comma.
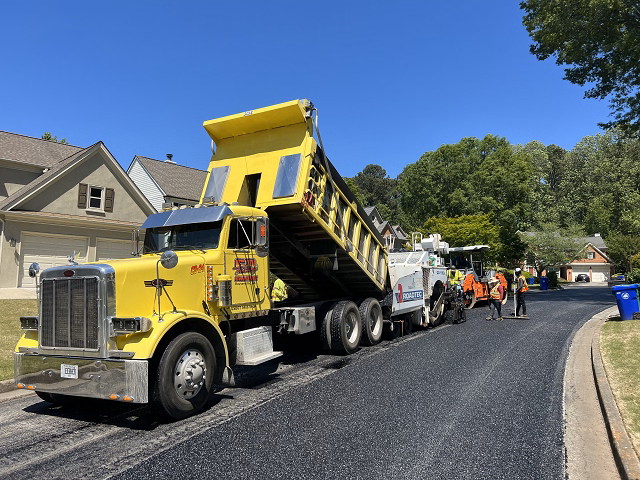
x: 68, y: 371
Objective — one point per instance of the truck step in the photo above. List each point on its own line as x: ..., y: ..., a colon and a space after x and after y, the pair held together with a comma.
x: 253, y: 346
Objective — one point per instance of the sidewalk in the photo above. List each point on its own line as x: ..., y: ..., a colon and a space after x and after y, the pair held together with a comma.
x: 17, y: 293
x: 596, y: 442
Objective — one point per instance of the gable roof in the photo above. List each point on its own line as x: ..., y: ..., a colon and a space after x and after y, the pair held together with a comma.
x: 58, y: 169
x: 174, y: 180
x: 32, y: 151
x: 30, y: 188
x: 602, y: 253
x: 400, y: 233
x: 596, y: 240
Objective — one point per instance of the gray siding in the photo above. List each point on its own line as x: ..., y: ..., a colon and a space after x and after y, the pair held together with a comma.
x: 147, y: 186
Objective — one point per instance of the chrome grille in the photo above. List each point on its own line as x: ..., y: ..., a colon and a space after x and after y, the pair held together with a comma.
x: 70, y: 313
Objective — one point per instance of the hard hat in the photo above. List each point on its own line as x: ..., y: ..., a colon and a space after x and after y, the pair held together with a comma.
x: 518, y: 270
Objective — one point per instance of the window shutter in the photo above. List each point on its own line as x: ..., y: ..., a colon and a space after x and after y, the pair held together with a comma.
x: 82, y: 196
x: 109, y: 194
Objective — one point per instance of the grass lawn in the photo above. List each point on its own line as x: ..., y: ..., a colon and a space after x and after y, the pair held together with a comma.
x: 10, y: 313
x: 620, y: 348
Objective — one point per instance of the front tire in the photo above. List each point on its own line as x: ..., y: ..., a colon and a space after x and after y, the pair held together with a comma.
x: 371, y: 321
x: 184, y: 376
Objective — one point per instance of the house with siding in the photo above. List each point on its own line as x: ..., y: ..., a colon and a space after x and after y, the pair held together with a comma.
x: 57, y: 199
x: 166, y: 182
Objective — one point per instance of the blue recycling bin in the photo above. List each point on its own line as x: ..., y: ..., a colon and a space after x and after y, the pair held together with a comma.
x: 627, y: 300
x: 544, y: 283
x: 530, y: 280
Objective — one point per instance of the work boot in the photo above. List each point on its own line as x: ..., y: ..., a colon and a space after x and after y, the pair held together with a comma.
x: 499, y: 319
x: 489, y: 318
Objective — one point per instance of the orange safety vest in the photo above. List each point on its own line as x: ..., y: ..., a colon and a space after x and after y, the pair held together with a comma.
x: 524, y: 287
x: 495, y: 293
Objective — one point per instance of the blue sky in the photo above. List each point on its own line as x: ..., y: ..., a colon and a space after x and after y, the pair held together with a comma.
x: 390, y: 79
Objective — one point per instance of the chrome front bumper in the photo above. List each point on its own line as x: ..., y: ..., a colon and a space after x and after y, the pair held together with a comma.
x: 124, y: 380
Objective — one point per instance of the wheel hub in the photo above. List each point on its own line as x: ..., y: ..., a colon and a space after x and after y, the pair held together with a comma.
x: 190, y: 373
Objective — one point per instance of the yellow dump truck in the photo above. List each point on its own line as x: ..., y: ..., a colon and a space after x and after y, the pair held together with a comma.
x: 165, y: 326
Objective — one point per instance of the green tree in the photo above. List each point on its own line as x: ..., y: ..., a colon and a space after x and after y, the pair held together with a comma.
x: 355, y: 190
x: 622, y: 248
x: 379, y: 190
x: 600, y: 185
x: 47, y: 136
x: 598, y: 41
x: 552, y: 246
x: 470, y: 177
x: 466, y: 230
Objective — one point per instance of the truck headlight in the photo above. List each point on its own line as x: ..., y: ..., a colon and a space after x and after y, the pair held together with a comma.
x: 29, y: 323
x: 126, y: 325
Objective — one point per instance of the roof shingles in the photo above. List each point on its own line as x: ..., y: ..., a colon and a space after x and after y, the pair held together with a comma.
x: 175, y: 180
x: 33, y: 151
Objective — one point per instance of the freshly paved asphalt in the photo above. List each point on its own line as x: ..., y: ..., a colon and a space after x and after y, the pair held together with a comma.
x: 477, y: 400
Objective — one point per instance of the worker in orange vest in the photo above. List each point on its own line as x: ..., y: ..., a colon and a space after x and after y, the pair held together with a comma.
x: 521, y: 288
x: 496, y: 294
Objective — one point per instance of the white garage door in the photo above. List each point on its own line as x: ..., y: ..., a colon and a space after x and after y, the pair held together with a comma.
x: 599, y: 273
x: 48, y: 251
x: 107, y: 249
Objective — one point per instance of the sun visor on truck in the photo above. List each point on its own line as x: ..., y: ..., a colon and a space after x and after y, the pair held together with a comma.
x: 186, y: 216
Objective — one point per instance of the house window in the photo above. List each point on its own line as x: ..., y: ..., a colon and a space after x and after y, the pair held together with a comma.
x: 92, y: 197
x: 96, y: 197
x: 591, y: 255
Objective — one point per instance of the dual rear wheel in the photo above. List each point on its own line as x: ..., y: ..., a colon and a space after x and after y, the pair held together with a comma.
x: 345, y: 326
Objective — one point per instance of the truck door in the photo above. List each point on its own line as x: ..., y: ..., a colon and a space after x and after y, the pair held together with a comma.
x: 249, y: 272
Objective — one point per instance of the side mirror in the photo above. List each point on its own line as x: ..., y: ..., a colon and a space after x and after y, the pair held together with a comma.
x: 34, y: 268
x: 169, y: 259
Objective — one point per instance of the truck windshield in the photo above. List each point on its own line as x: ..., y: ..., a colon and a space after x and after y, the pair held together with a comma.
x: 194, y: 236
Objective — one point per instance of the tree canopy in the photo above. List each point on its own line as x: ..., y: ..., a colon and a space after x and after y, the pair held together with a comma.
x: 47, y: 136
x: 551, y: 246
x: 598, y: 41
x: 488, y: 184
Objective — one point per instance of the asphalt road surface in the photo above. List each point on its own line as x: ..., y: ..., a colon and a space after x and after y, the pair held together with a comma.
x: 476, y: 400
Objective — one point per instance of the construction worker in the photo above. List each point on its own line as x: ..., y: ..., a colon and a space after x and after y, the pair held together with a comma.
x: 454, y: 276
x: 521, y: 288
x: 278, y: 291
x: 496, y: 293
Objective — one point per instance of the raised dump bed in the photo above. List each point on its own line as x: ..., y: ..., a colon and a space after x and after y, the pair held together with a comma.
x: 322, y: 243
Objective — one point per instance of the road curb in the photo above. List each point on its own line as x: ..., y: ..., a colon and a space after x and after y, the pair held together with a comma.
x: 621, y: 446
x: 7, y: 386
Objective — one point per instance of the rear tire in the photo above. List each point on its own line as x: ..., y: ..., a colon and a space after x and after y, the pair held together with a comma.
x: 184, y: 376
x: 345, y: 327
x: 371, y: 321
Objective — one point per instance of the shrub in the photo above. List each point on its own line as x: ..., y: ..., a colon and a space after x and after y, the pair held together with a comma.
x: 634, y: 276
x: 553, y: 279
